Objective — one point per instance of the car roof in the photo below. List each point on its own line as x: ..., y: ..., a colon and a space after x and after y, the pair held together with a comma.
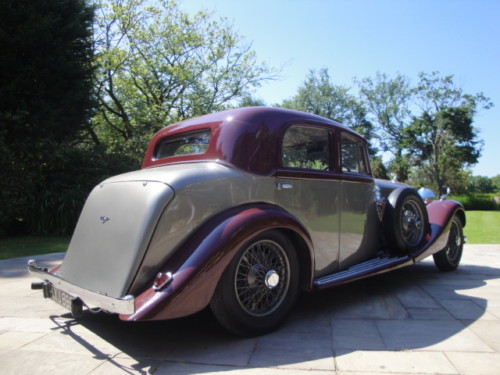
x: 246, y: 138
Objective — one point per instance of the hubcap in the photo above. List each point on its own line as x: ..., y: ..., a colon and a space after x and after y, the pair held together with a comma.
x: 412, y: 228
x: 272, y: 279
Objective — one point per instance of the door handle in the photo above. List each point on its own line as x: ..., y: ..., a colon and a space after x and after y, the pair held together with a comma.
x: 282, y: 186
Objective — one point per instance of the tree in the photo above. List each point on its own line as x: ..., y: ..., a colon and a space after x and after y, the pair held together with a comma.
x: 496, y: 183
x: 159, y: 65
x: 482, y: 184
x: 46, y: 71
x: 46, y: 97
x: 442, y: 140
x: 427, y: 126
x: 388, y: 102
x: 320, y: 96
x: 442, y: 144
x: 378, y: 168
x: 249, y: 101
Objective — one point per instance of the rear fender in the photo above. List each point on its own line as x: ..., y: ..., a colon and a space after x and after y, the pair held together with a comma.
x: 199, y: 263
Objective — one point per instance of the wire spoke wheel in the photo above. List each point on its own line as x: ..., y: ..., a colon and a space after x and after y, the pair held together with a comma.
x: 262, y: 278
x: 259, y: 286
x: 455, y: 242
x: 448, y: 258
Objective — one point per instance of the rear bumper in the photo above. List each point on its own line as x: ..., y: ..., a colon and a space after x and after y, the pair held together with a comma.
x: 125, y: 305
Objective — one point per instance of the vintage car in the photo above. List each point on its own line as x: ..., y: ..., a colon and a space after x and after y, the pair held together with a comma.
x: 241, y: 211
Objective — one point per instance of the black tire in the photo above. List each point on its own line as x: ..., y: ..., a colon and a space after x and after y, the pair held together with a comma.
x: 407, y: 222
x: 448, y: 259
x: 259, y: 287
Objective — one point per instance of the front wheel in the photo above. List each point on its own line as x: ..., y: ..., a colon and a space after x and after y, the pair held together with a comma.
x: 259, y: 287
x: 448, y: 259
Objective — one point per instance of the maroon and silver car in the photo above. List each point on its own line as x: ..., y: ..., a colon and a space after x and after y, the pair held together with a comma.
x: 241, y: 211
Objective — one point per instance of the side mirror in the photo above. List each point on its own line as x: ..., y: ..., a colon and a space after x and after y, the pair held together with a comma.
x: 445, y: 191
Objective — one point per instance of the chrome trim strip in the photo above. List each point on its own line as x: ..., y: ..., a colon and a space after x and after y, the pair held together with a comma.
x: 123, y: 305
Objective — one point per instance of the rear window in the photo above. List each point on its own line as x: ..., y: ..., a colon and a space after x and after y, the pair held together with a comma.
x: 183, y: 144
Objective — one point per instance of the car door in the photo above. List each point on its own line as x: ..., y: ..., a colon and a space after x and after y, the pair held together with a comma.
x: 308, y: 186
x: 359, y: 225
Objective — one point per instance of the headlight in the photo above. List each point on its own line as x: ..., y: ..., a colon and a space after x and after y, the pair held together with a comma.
x: 426, y: 194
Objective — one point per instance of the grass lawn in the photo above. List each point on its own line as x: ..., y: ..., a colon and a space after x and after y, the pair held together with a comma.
x: 23, y: 246
x: 483, y: 227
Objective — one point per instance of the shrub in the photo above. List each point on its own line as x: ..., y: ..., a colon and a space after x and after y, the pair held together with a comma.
x: 50, y: 204
x: 478, y: 202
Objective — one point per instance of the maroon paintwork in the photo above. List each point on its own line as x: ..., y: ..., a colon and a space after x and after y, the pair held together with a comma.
x: 236, y: 141
x: 440, y: 213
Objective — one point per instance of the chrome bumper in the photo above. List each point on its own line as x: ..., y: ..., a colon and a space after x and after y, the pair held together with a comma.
x: 123, y: 305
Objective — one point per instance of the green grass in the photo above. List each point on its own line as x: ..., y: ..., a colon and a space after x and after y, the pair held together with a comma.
x: 23, y: 246
x: 483, y: 227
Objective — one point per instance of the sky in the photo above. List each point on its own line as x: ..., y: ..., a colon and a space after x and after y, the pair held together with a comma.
x: 357, y: 38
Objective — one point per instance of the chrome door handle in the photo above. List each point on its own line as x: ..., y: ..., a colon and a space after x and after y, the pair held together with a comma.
x: 284, y: 186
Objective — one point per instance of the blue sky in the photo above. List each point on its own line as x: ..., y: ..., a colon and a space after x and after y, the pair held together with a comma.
x: 360, y: 37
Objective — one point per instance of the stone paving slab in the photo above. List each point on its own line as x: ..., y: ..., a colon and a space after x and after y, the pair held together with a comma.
x: 415, y: 320
x: 42, y: 363
x: 406, y: 362
x: 475, y: 363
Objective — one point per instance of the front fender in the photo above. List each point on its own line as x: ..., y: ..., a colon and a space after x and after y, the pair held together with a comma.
x: 198, y: 265
x: 441, y: 214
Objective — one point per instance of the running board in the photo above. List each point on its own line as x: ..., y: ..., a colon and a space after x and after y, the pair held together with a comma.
x: 362, y: 270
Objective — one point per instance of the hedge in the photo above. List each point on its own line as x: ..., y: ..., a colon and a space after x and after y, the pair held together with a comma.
x: 478, y: 202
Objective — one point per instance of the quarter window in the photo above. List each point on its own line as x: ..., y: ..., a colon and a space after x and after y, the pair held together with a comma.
x: 306, y: 147
x: 353, y: 155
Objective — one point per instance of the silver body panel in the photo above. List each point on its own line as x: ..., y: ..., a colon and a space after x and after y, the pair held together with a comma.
x: 113, y: 233
x: 341, y: 218
x: 123, y: 250
x: 125, y: 233
x: 359, y: 226
x: 316, y: 204
x: 202, y: 190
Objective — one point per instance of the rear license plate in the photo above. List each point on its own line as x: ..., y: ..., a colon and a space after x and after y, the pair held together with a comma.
x: 61, y: 297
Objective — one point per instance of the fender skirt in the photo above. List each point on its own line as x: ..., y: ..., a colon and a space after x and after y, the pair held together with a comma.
x: 199, y: 263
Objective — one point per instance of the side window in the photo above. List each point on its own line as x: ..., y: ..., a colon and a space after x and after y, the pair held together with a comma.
x: 306, y: 147
x: 353, y: 155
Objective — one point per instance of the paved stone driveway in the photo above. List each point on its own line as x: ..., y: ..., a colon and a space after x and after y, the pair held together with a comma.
x: 412, y: 321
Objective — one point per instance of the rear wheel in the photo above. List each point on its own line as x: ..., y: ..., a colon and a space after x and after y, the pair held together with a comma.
x: 259, y: 287
x: 448, y: 259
